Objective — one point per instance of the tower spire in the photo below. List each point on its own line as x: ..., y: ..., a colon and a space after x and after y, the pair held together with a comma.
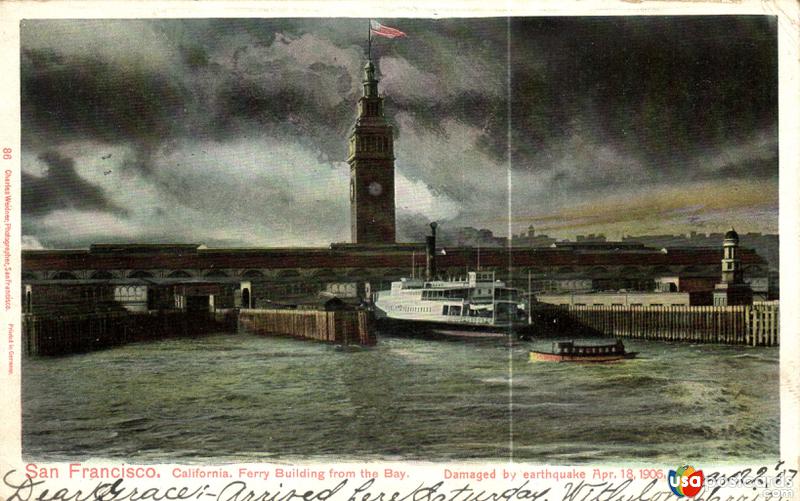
x: 370, y: 82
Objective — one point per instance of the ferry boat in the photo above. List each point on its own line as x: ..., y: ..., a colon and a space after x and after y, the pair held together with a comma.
x: 568, y: 351
x: 478, y: 306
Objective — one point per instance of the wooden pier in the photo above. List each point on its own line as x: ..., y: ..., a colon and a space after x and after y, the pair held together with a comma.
x: 756, y: 325
x: 47, y: 335
x: 345, y: 327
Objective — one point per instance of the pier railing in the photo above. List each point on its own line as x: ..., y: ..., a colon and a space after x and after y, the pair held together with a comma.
x: 476, y: 320
x: 756, y: 325
x: 344, y: 327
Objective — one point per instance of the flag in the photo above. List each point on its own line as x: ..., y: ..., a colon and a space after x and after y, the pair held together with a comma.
x: 384, y: 31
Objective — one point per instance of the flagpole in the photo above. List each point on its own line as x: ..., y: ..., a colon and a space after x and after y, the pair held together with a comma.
x: 369, y: 39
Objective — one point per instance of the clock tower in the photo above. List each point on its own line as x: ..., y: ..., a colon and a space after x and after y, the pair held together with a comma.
x: 371, y: 159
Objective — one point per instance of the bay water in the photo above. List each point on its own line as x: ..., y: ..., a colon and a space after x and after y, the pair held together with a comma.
x: 242, y: 397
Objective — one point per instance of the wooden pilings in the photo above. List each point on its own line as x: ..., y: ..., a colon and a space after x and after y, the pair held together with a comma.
x: 340, y: 327
x: 756, y: 325
x: 63, y: 334
x: 47, y: 335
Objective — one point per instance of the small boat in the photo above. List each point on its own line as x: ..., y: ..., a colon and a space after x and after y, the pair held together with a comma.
x: 568, y: 351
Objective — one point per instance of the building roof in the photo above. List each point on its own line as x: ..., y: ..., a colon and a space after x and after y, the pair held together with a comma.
x: 370, y: 257
x: 732, y: 235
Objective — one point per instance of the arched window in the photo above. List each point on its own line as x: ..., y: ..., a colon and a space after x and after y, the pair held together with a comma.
x: 661, y: 269
x: 64, y: 275
x: 324, y: 273
x: 179, y: 274
x: 631, y: 271
x: 252, y: 274
x: 102, y: 275
x: 140, y: 274
x: 358, y: 274
x: 396, y: 273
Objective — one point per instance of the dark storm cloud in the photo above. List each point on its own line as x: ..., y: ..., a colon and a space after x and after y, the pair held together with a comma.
x: 289, y: 113
x: 471, y: 107
x: 663, y: 89
x: 62, y: 188
x: 281, y: 97
x: 593, y: 103
x: 76, y: 97
x: 652, y: 86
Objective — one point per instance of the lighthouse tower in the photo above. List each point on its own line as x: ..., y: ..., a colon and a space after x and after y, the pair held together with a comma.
x: 732, y: 289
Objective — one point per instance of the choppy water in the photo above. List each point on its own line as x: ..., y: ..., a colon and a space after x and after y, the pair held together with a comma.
x: 244, y: 397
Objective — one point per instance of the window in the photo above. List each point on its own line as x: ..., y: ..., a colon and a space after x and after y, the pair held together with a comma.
x: 455, y: 293
x: 455, y: 310
x: 445, y: 309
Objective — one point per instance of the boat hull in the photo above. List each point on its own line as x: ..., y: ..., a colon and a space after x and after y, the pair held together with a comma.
x: 540, y: 356
x: 419, y: 328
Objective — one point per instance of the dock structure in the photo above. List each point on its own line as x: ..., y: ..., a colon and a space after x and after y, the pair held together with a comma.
x: 345, y: 327
x: 756, y: 325
x: 52, y: 335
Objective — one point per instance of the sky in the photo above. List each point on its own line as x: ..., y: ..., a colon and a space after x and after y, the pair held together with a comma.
x: 232, y: 132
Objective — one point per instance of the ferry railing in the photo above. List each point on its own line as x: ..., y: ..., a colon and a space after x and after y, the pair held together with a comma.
x: 477, y: 320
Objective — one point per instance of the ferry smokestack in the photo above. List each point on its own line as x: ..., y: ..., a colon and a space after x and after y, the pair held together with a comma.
x: 430, y: 254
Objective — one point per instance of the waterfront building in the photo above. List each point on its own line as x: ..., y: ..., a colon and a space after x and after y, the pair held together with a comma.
x: 732, y: 289
x: 278, y: 274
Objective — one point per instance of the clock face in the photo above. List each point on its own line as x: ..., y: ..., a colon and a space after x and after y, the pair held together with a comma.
x: 375, y: 188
